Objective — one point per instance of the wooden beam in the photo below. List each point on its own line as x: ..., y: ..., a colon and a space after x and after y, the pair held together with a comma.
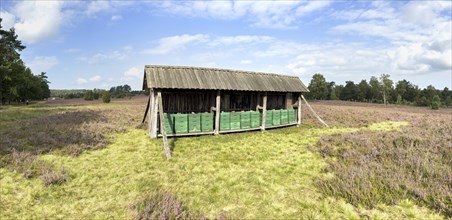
x: 313, y: 112
x: 217, y: 114
x: 151, y: 112
x: 264, y: 112
x: 163, y: 127
x: 299, y: 111
x: 154, y: 117
x: 146, y: 111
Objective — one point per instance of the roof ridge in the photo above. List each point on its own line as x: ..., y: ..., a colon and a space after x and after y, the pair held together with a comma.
x: 215, y: 68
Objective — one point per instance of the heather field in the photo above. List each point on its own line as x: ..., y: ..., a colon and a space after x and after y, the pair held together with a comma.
x: 76, y: 159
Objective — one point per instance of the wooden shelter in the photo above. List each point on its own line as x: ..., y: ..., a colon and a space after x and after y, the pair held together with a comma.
x: 197, y: 100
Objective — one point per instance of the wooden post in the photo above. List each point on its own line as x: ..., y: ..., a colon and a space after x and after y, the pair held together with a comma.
x: 162, y: 126
x: 264, y: 112
x: 217, y: 114
x: 153, y: 116
x: 151, y: 111
x: 299, y: 111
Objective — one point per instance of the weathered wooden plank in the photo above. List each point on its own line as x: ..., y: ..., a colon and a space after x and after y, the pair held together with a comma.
x: 217, y: 114
x: 299, y: 111
x: 163, y: 127
x: 313, y: 112
x: 154, y: 117
x: 264, y: 112
x: 172, y: 77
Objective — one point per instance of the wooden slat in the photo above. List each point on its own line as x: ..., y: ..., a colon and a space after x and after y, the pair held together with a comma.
x: 174, y: 77
x: 299, y: 111
x: 217, y: 113
x: 264, y: 111
x: 163, y: 127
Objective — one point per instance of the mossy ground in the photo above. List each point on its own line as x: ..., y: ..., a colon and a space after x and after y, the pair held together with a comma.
x: 254, y: 175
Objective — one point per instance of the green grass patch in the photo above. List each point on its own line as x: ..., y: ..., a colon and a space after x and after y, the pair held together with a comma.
x: 254, y: 175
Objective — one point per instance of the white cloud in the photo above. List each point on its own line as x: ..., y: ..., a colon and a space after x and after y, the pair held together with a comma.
x: 43, y: 64
x: 72, y: 50
x: 38, y: 20
x: 134, y: 72
x: 8, y: 20
x: 95, y: 78
x: 417, y: 44
x: 97, y: 6
x: 241, y: 39
x: 246, y: 62
x: 116, y: 18
x: 81, y: 81
x: 134, y: 76
x: 170, y: 44
x: 269, y: 14
x: 104, y: 57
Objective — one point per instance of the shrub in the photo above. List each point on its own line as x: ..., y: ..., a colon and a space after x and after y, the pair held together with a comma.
x: 373, y: 167
x: 31, y: 167
x: 96, y: 95
x: 89, y: 95
x: 436, y: 102
x: 163, y: 205
x: 106, y: 97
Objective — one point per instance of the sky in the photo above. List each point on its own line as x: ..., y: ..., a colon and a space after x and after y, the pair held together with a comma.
x: 100, y: 44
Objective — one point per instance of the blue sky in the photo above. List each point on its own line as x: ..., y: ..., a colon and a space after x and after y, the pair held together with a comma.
x: 100, y: 44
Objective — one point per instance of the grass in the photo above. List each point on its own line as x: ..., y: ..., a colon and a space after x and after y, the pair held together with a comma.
x: 250, y: 175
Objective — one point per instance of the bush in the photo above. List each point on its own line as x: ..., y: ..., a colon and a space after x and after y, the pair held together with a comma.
x: 96, y: 95
x: 89, y: 95
x: 436, y: 102
x: 163, y: 205
x: 106, y: 97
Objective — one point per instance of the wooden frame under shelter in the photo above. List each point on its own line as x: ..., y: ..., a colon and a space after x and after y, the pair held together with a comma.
x: 198, y: 100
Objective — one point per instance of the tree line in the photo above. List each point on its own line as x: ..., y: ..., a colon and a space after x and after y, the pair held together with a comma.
x: 379, y: 90
x: 120, y: 91
x: 17, y: 81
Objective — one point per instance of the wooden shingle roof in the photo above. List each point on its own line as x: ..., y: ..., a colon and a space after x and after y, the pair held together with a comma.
x: 180, y: 77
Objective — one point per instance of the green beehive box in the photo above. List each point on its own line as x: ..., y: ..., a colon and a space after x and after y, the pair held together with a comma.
x: 255, y: 119
x: 180, y: 123
x: 169, y: 123
x: 235, y: 120
x: 225, y: 121
x: 291, y: 114
x: 245, y: 120
x: 284, y: 117
x: 269, y: 118
x: 276, y: 117
x: 206, y: 122
x: 194, y: 123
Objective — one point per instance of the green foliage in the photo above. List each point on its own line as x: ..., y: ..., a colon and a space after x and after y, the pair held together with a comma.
x: 349, y: 91
x: 318, y: 87
x: 17, y: 82
x: 106, y: 97
x: 436, y: 102
x: 89, y: 95
x: 120, y: 91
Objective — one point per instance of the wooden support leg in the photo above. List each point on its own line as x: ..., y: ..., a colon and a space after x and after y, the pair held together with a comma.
x: 150, y: 113
x: 217, y: 114
x: 162, y: 126
x: 154, y: 118
x: 299, y: 111
x: 264, y: 112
